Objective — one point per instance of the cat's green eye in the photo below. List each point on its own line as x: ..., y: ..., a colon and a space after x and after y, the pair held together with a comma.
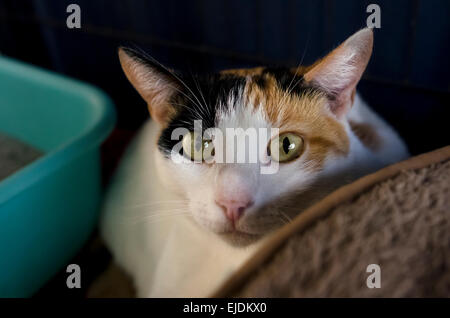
x: 196, y: 148
x: 285, y: 147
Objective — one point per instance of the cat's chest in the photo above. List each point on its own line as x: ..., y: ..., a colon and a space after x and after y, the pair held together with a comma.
x: 193, y: 262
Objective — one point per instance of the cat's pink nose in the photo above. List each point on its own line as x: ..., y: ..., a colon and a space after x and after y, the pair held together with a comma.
x: 234, y: 209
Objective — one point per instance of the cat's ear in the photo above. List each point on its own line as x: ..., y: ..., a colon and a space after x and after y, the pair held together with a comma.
x: 155, y: 83
x: 340, y: 71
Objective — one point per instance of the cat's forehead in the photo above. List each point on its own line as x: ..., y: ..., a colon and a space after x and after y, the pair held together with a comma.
x: 267, y: 90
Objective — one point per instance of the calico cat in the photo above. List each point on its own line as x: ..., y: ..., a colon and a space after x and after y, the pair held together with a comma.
x: 179, y: 228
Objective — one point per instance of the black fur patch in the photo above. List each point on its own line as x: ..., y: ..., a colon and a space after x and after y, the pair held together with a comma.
x: 261, y: 81
x: 287, y: 80
x: 211, y: 92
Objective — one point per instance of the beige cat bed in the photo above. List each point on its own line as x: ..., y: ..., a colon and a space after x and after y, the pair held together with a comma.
x: 397, y: 218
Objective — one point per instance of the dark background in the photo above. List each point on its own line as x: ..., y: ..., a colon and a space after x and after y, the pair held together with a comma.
x: 407, y: 80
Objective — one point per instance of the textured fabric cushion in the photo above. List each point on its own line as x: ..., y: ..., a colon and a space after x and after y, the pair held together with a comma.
x: 397, y: 218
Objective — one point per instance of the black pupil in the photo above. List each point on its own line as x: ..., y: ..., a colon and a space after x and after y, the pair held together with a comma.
x: 198, y: 144
x: 286, y: 144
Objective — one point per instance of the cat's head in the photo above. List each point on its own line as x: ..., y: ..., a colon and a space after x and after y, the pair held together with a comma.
x: 306, y: 106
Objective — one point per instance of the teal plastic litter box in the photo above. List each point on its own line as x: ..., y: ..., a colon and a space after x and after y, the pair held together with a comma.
x: 49, y: 208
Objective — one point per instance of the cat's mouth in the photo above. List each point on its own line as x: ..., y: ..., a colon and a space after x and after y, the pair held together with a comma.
x: 239, y: 238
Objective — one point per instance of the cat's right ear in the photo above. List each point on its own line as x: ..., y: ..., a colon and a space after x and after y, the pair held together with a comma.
x: 340, y: 71
x: 155, y: 83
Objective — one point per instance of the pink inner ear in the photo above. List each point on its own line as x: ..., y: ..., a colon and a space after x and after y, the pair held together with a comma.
x: 342, y: 104
x: 155, y: 88
x: 340, y: 71
x: 339, y: 80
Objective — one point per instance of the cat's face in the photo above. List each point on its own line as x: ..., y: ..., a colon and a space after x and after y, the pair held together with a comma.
x: 295, y: 116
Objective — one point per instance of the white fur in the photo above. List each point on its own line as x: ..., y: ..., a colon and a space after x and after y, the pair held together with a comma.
x: 168, y: 246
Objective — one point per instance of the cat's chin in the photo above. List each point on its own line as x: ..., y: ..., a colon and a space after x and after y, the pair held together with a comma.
x: 239, y: 239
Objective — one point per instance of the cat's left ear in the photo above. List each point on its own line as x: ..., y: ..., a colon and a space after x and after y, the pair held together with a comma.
x: 340, y: 71
x: 154, y: 82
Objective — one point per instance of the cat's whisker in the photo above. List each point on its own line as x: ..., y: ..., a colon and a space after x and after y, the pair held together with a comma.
x: 298, y: 66
x: 157, y: 218
x: 156, y: 221
x: 155, y: 212
x: 173, y: 74
x: 188, y: 97
x: 190, y: 109
x: 290, y: 88
x: 150, y: 204
x: 200, y: 92
x: 162, y: 213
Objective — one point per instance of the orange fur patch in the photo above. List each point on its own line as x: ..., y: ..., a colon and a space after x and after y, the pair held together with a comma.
x: 306, y: 115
